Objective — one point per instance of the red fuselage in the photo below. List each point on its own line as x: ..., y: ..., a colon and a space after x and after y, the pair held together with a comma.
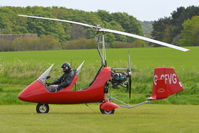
x: 38, y: 93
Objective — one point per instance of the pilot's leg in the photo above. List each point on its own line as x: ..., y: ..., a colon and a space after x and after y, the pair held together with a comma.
x: 53, y: 88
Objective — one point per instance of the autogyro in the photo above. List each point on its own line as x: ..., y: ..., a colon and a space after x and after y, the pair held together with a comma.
x: 165, y: 82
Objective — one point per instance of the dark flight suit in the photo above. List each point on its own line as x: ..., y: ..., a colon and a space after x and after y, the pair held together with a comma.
x: 62, y: 82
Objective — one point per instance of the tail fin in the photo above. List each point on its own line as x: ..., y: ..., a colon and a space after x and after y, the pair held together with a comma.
x: 165, y: 83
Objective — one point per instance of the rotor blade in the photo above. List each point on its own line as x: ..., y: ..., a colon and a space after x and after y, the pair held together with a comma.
x: 111, y: 31
x: 145, y: 39
x: 60, y: 20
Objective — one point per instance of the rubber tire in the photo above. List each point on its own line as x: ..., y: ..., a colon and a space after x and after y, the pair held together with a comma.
x: 107, y: 112
x: 42, y: 108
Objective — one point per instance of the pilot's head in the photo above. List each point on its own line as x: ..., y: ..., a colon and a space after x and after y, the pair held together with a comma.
x: 66, y: 67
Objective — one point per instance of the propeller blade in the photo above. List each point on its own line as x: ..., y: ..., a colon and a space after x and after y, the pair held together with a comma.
x: 129, y: 87
x: 129, y: 62
x: 59, y: 20
x: 129, y: 74
x: 145, y: 39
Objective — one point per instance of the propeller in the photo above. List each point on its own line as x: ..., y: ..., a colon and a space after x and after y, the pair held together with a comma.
x: 129, y: 75
x: 99, y: 29
x: 129, y: 85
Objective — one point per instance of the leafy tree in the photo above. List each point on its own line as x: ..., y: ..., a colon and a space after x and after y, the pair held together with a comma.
x: 169, y: 28
x: 190, y: 32
x: 159, y: 28
x: 10, y: 23
x: 104, y: 15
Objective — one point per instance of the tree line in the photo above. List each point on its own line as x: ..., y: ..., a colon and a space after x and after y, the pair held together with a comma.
x: 181, y: 28
x: 65, y: 33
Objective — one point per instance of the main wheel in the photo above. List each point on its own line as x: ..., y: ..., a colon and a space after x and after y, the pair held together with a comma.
x: 107, y: 112
x: 42, y: 108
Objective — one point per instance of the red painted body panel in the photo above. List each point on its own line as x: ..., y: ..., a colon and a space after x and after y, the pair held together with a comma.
x: 165, y: 83
x: 108, y: 106
x: 37, y: 92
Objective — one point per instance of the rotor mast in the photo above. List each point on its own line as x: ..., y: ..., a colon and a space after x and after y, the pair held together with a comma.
x: 100, y: 39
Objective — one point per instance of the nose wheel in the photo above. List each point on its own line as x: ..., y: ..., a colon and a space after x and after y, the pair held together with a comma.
x: 42, y: 108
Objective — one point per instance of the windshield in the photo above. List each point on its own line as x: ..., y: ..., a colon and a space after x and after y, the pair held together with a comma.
x: 43, y: 77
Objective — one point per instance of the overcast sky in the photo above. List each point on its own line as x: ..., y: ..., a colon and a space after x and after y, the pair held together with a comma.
x: 141, y: 9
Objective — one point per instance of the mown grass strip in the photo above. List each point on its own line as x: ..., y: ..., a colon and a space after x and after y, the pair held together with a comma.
x: 80, y: 118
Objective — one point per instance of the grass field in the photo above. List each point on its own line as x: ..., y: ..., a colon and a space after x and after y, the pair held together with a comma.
x: 79, y: 118
x: 18, y: 69
x: 141, y: 58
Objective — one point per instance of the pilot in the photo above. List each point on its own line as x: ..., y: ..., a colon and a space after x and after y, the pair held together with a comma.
x: 64, y: 80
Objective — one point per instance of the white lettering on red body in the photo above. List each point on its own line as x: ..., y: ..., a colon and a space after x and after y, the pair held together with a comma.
x: 168, y: 78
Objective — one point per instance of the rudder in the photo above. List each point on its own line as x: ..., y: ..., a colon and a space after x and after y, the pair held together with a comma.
x: 165, y: 83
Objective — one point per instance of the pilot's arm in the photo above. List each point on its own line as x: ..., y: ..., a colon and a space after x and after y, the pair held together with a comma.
x: 57, y: 81
x: 66, y: 82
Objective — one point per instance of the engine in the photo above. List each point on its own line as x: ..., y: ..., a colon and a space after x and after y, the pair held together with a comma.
x: 119, y: 78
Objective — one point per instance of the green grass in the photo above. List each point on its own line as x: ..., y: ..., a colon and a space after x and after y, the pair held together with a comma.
x: 142, y: 58
x: 79, y: 118
x: 18, y: 69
